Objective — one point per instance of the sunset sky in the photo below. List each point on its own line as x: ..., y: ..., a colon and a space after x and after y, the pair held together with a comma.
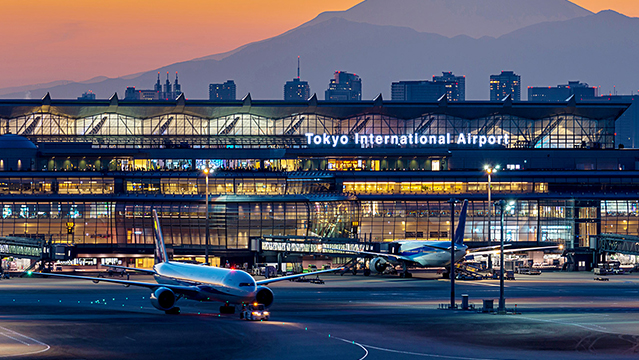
x: 47, y: 40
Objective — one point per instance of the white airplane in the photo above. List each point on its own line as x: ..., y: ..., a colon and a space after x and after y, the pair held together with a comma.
x: 427, y: 254
x: 176, y: 280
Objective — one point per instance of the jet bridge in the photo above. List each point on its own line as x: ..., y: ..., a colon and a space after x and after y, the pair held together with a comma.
x: 279, y: 248
x: 615, y: 243
x: 306, y: 245
x: 30, y: 248
x: 34, y: 248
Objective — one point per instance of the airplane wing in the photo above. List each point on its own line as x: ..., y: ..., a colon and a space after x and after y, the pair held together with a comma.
x: 152, y: 272
x: 496, y: 251
x: 178, y: 289
x: 438, y: 247
x: 485, y: 248
x: 370, y: 253
x: 282, y: 278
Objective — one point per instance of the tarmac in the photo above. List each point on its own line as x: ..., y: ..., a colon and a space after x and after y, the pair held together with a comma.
x: 558, y: 316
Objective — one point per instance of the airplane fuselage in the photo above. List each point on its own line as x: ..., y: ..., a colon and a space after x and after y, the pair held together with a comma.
x: 176, y: 280
x: 422, y: 253
x: 214, y: 284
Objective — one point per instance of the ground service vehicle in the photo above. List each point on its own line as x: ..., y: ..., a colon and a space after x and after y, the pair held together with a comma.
x: 254, y: 312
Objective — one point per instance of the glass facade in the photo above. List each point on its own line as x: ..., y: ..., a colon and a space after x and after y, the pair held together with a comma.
x: 233, y: 224
x: 620, y: 217
x: 101, y: 167
x: 128, y: 223
x: 430, y: 220
x: 427, y: 187
x: 281, y: 125
x: 125, y: 224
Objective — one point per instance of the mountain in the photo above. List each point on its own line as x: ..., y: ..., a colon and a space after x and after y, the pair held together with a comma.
x: 600, y: 49
x: 25, y: 88
x: 458, y: 17
x: 53, y: 84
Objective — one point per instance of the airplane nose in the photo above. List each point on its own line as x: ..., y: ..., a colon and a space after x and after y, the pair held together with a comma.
x: 241, y: 280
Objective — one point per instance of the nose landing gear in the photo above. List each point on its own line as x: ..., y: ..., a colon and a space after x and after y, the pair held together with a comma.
x: 227, y: 309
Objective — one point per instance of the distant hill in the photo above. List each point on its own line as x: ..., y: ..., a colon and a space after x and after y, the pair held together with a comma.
x: 458, y: 17
x: 25, y: 88
x: 600, y: 49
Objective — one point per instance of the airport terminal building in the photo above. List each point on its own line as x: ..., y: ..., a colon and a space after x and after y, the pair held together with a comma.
x: 89, y: 172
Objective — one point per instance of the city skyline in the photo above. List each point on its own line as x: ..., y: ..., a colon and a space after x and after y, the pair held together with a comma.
x: 82, y: 43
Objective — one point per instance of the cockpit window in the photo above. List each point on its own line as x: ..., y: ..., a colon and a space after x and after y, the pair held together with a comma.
x: 246, y: 284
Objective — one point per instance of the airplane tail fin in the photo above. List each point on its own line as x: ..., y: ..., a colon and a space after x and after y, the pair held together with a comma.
x: 461, y: 224
x: 160, y: 249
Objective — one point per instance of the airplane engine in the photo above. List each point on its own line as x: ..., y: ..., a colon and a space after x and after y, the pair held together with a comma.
x: 378, y: 264
x: 264, y: 296
x: 163, y: 299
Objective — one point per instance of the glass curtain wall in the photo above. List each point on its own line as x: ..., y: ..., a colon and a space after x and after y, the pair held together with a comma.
x: 253, y: 131
x: 430, y: 220
x: 620, y: 217
x: 125, y: 224
x: 128, y: 224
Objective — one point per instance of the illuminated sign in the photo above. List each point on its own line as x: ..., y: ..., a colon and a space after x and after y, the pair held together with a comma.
x: 371, y: 140
x: 80, y: 261
x: 300, y: 247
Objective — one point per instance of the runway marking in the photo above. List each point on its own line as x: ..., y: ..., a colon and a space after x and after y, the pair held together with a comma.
x: 358, y: 344
x: 587, y: 327
x: 483, y: 284
x: 15, y: 337
x: 364, y: 346
x: 132, y: 339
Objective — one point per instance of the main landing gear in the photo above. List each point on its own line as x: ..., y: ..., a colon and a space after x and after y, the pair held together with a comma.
x: 446, y: 273
x: 405, y: 273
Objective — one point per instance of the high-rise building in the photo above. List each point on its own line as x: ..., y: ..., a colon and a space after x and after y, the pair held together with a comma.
x: 225, y: 91
x: 170, y: 92
x: 132, y: 94
x: 297, y: 89
x: 158, y: 86
x: 504, y: 84
x: 417, y: 91
x: 562, y: 92
x: 344, y: 86
x: 177, y: 88
x: 88, y: 95
x: 429, y: 91
x: 454, y: 86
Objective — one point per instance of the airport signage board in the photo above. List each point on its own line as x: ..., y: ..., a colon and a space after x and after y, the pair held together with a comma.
x: 386, y: 140
x: 303, y: 247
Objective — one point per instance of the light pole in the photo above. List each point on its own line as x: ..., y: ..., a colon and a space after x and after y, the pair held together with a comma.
x: 452, y: 252
x: 206, y: 224
x: 489, y: 169
x: 502, y: 301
